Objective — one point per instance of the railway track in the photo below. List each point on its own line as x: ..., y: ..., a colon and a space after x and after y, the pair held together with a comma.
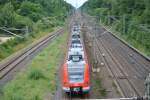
x: 135, y: 58
x: 115, y: 64
x: 11, y: 64
x: 124, y: 77
x: 103, y: 50
x: 124, y: 63
x: 137, y: 66
x: 116, y: 81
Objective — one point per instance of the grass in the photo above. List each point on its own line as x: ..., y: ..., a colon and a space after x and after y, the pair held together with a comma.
x: 138, y: 46
x: 36, y: 74
x: 98, y: 87
x: 39, y: 79
x: 16, y: 44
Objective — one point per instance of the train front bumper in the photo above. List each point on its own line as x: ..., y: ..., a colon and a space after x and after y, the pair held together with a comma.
x: 76, y: 89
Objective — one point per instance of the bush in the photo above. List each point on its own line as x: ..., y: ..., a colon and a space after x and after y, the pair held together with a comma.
x: 22, y: 22
x: 35, y: 74
x: 7, y: 15
x: 32, y: 10
x: 45, y: 23
x: 7, y: 48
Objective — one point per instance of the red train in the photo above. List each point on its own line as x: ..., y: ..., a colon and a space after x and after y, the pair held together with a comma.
x: 76, y: 73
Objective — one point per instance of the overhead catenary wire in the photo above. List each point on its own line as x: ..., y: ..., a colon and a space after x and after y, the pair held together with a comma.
x: 11, y: 32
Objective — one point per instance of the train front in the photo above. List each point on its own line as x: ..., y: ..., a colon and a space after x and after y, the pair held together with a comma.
x: 76, y: 75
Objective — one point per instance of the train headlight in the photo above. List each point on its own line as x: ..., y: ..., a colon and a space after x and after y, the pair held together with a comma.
x: 66, y: 88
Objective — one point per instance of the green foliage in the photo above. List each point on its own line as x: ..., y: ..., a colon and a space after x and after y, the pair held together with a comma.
x: 47, y: 22
x: 14, y: 13
x: 6, y: 48
x: 35, y: 74
x: 37, y: 15
x: 7, y: 15
x: 39, y: 79
x: 145, y: 18
x: 131, y: 18
x: 22, y: 22
x: 98, y: 87
x: 32, y: 10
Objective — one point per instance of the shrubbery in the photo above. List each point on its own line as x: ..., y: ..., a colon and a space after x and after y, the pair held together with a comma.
x: 31, y: 10
x: 7, y: 15
x: 21, y: 22
x: 37, y: 15
x: 131, y: 18
x: 35, y: 74
x: 7, y: 48
x: 13, y: 12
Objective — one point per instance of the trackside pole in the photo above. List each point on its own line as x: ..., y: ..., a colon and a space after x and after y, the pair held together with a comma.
x: 148, y: 87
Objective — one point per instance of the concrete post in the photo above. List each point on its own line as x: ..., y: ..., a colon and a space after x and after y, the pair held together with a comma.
x: 148, y: 87
x: 26, y: 31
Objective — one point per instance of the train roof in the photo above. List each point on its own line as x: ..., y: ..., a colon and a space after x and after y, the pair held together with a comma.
x: 76, y: 51
x: 76, y: 46
x: 75, y: 35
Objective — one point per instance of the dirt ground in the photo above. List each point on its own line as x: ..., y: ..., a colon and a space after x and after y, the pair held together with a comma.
x: 4, y: 39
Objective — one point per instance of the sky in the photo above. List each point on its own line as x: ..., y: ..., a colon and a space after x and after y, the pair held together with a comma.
x: 76, y: 3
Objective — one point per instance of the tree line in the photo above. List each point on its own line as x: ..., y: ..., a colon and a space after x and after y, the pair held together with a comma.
x: 38, y: 16
x: 43, y: 13
x: 131, y: 18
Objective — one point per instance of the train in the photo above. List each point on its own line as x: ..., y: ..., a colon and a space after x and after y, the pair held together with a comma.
x: 76, y: 70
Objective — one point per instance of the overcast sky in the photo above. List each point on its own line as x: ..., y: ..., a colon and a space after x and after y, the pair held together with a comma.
x: 76, y: 3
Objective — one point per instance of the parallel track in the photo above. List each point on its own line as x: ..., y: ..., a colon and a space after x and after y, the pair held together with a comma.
x: 138, y: 66
x: 110, y: 70
x: 10, y: 65
x: 122, y: 72
x: 123, y: 83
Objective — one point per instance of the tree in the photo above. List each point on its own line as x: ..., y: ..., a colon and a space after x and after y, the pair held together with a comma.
x: 31, y: 10
x: 7, y: 15
x: 130, y: 16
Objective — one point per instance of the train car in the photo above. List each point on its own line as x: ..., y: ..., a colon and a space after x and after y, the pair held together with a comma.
x: 76, y: 75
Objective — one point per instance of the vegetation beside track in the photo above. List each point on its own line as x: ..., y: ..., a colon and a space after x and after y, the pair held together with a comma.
x: 34, y: 15
x: 98, y: 87
x: 129, y: 18
x: 39, y: 79
x: 13, y: 45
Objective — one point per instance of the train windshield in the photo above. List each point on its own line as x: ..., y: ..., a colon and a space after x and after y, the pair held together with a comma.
x: 75, y: 58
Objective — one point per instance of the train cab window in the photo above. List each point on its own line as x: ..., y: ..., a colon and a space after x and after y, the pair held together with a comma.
x: 75, y: 58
